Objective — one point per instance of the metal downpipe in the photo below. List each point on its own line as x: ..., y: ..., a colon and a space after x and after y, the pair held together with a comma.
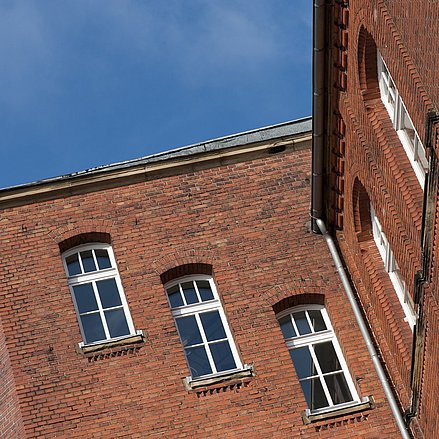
x: 318, y: 111
x: 364, y: 331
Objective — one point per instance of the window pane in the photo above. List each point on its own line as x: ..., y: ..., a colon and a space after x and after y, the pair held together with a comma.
x: 222, y: 356
x: 92, y: 326
x: 303, y: 362
x: 103, y: 259
x: 338, y: 388
x: 314, y: 394
x: 108, y: 293
x: 87, y: 261
x: 198, y: 361
x: 204, y: 290
x: 175, y: 296
x: 117, y: 323
x: 73, y: 266
x: 189, y: 292
x: 212, y: 325
x: 301, y: 322
x: 317, y: 320
x: 287, y: 327
x: 188, y: 330
x: 327, y: 357
x: 85, y: 298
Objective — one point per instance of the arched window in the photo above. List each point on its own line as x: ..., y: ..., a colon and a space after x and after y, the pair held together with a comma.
x: 317, y: 358
x: 202, y: 326
x: 97, y: 293
x: 402, y: 121
x: 392, y: 269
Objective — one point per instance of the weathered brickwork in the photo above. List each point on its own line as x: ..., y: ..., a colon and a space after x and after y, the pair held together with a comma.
x: 248, y: 220
x: 10, y: 415
x: 378, y: 172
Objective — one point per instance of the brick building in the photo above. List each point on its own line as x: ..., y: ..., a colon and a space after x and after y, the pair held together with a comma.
x: 180, y: 295
x: 376, y: 101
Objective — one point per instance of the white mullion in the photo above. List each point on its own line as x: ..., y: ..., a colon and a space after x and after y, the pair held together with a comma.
x: 113, y: 308
x: 124, y: 303
x: 196, y: 291
x: 93, y: 255
x: 320, y: 375
x: 182, y: 294
x: 396, y: 122
x: 387, y: 254
x: 305, y: 340
x: 212, y: 305
x: 101, y: 310
x: 340, y: 357
x: 80, y: 263
x: 308, y: 319
x: 293, y: 321
x: 205, y: 343
x: 416, y: 148
x: 229, y: 338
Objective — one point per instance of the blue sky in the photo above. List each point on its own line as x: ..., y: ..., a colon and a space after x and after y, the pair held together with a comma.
x: 92, y: 82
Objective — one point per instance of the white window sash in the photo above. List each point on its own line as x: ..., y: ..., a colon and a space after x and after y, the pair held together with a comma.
x: 93, y: 277
x: 414, y: 149
x: 392, y: 269
x: 309, y: 340
x: 199, y: 308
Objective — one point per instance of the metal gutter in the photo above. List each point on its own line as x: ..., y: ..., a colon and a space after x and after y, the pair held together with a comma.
x: 318, y: 112
x: 364, y: 331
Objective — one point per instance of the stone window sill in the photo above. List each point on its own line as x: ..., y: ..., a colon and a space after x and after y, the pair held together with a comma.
x: 368, y: 403
x: 216, y: 383
x: 112, y: 348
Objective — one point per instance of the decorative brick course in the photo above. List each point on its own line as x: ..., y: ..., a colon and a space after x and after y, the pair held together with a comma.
x: 407, y: 35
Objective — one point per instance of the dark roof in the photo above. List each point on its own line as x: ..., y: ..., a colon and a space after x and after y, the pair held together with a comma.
x: 291, y: 128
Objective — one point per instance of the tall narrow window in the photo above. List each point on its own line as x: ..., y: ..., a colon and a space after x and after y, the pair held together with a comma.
x: 401, y: 121
x: 97, y: 293
x: 317, y: 358
x: 202, y: 326
x: 392, y: 268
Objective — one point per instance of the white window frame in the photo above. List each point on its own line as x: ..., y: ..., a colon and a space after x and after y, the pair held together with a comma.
x: 392, y: 269
x: 200, y: 308
x: 93, y: 277
x: 314, y: 338
x: 402, y: 122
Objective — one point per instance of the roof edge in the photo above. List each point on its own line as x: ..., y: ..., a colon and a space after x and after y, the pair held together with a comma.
x: 196, y: 156
x: 301, y: 125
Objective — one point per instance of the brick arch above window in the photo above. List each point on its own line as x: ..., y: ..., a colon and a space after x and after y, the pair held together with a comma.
x: 300, y: 299
x: 84, y: 238
x: 296, y: 292
x: 181, y: 258
x: 186, y: 270
x: 70, y: 230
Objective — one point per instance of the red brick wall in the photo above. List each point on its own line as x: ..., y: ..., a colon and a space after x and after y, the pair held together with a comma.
x: 373, y: 156
x: 417, y: 24
x: 11, y: 425
x: 250, y: 221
